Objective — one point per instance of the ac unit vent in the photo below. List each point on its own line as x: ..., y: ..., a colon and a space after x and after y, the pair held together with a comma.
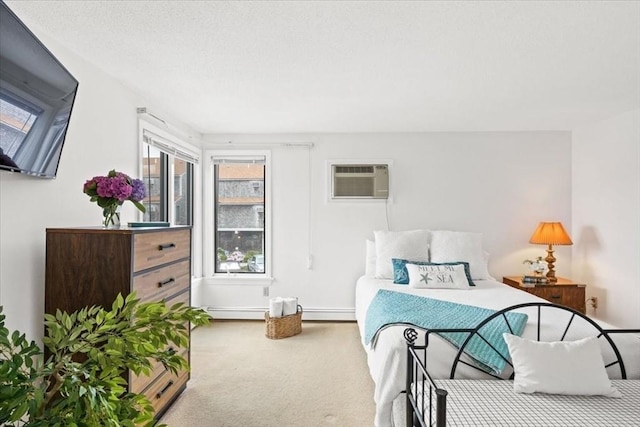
x: 354, y: 169
x: 360, y: 181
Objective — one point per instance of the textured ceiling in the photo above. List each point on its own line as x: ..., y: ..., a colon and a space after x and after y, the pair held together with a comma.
x: 359, y: 66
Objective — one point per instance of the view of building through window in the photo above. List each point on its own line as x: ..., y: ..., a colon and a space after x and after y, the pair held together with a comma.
x: 239, y: 217
x: 155, y: 171
x: 182, y: 192
x: 152, y: 172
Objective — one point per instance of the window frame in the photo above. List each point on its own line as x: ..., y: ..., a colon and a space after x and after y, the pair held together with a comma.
x: 209, y: 231
x: 182, y: 144
x: 172, y: 148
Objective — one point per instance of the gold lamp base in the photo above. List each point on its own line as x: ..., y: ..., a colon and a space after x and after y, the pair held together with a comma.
x: 551, y: 274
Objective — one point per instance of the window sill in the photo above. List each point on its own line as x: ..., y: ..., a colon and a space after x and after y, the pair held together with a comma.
x: 238, y: 279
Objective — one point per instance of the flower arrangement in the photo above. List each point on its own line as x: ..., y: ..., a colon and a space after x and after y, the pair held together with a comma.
x: 537, y: 266
x: 111, y: 191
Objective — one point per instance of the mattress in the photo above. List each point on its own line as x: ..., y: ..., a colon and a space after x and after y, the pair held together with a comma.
x: 472, y: 403
x: 386, y: 358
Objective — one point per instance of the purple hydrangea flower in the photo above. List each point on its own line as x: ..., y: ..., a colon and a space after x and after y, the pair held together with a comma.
x: 114, y: 189
x: 138, y: 192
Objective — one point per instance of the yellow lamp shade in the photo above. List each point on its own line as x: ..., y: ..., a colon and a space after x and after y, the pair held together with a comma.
x: 550, y: 233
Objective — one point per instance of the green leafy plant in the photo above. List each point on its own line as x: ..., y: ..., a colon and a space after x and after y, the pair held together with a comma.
x: 222, y: 255
x: 82, y: 380
x: 248, y: 256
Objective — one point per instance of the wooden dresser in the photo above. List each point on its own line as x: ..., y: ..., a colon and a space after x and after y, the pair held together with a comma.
x: 563, y: 292
x: 90, y: 266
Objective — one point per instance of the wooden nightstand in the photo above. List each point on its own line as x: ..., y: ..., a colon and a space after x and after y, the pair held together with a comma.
x: 563, y: 292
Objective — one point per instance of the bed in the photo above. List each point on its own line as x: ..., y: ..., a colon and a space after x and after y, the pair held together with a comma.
x: 386, y: 352
x: 472, y: 402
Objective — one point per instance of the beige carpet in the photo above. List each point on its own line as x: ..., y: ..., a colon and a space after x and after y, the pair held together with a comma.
x: 241, y: 378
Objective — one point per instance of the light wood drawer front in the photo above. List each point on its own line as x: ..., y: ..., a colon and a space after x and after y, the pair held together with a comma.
x: 154, y: 249
x: 159, y: 284
x: 184, y: 297
x: 165, y: 388
x: 139, y: 382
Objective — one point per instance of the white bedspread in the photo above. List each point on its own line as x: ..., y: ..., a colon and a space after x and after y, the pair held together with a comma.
x: 387, y: 360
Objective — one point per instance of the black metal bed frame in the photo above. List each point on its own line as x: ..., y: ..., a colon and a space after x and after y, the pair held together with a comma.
x: 422, y: 392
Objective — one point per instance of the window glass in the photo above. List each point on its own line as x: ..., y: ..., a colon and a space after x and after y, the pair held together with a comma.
x: 154, y: 175
x: 156, y: 168
x: 239, y: 187
x: 182, y: 192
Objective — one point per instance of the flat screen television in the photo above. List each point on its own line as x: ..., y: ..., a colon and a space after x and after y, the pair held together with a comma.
x: 36, y: 98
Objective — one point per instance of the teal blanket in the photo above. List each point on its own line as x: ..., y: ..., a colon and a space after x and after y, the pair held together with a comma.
x: 389, y: 307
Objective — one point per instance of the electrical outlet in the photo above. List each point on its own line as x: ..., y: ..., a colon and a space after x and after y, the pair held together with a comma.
x: 265, y: 291
x: 593, y: 301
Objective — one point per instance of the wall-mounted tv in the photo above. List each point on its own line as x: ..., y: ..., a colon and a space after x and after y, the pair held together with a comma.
x: 36, y: 97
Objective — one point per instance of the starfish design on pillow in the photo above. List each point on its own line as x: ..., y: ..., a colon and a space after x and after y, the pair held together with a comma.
x: 425, y: 278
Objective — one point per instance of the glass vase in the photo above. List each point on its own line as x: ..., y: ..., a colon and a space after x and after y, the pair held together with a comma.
x: 111, y: 217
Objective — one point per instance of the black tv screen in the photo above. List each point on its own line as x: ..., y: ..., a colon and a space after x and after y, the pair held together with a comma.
x: 36, y: 97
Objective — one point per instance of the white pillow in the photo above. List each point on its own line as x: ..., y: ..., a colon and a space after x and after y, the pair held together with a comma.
x: 437, y: 276
x: 561, y: 367
x: 451, y: 246
x: 413, y: 245
x: 370, y: 261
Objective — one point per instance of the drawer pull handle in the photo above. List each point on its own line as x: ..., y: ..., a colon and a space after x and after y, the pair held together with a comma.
x: 166, y: 246
x: 164, y: 389
x: 555, y: 296
x: 166, y: 282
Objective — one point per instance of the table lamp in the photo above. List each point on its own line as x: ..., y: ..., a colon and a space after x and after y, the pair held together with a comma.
x: 550, y: 233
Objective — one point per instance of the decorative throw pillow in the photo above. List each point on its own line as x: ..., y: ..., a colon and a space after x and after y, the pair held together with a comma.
x: 370, y: 261
x: 401, y: 275
x: 561, y: 367
x: 437, y: 276
x: 412, y: 244
x: 452, y: 246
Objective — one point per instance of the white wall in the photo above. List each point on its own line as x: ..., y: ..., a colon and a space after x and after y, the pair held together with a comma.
x: 500, y: 184
x: 606, y: 215
x: 103, y: 135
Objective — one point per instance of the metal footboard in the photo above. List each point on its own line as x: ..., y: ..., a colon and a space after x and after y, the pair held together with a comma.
x: 422, y: 393
x: 426, y: 402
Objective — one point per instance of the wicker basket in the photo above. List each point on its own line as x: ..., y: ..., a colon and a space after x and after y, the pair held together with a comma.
x: 283, y: 327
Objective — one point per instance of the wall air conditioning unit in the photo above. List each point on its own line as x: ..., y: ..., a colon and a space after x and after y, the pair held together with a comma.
x: 360, y: 181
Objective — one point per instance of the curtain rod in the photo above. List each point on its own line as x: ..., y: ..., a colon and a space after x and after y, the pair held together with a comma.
x: 229, y: 144
x: 142, y: 111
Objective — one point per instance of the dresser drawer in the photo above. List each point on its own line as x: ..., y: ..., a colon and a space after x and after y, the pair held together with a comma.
x: 154, y: 249
x: 165, y: 389
x: 574, y: 298
x: 184, y: 297
x: 137, y: 383
x: 163, y: 282
x: 568, y: 296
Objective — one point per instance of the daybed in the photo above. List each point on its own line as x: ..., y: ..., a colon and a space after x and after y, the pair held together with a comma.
x: 580, y: 397
x: 386, y: 347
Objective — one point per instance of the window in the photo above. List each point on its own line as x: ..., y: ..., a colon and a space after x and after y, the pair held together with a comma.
x: 154, y: 166
x: 182, y: 192
x: 240, y: 231
x: 166, y: 170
